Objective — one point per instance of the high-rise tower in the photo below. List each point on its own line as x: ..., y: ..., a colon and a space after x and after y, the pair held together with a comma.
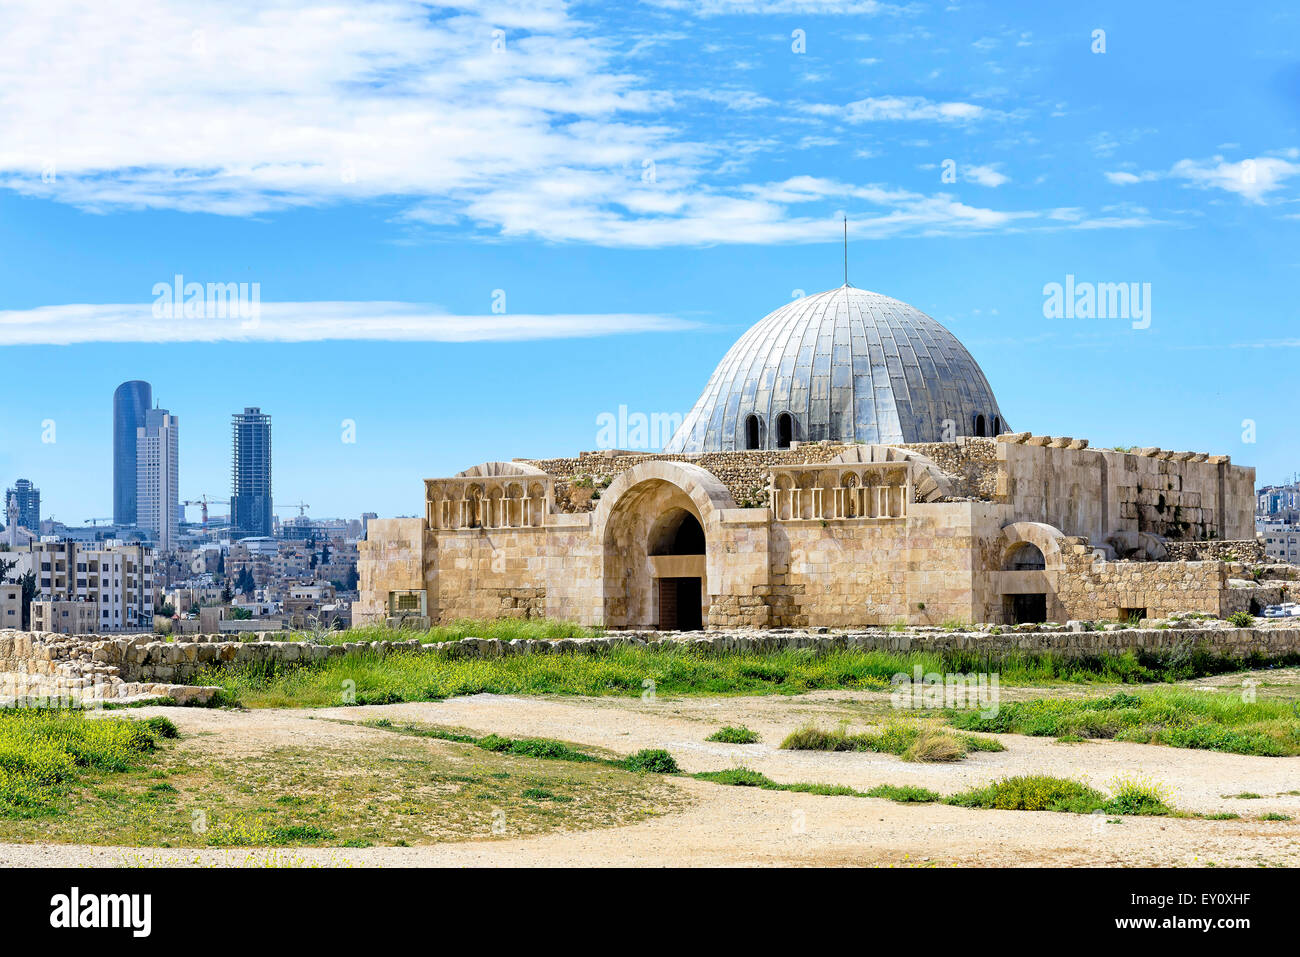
x: 157, y: 496
x: 250, y: 493
x: 131, y: 401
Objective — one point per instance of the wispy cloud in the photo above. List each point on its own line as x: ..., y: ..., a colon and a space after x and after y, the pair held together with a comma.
x: 1252, y: 179
x: 491, y: 119
x: 313, y: 321
x: 718, y: 8
x: 880, y: 109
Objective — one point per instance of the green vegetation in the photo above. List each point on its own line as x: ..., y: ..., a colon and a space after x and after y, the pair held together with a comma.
x: 1274, y: 816
x: 651, y: 760
x: 1170, y: 716
x: 911, y: 742
x: 1242, y: 619
x: 502, y: 629
x: 44, y: 753
x: 420, y: 676
x: 907, y: 794
x: 1025, y: 793
x: 1039, y: 792
x: 121, y: 786
x: 730, y: 735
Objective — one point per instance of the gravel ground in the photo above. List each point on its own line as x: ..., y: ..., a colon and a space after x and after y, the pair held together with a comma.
x: 744, y: 826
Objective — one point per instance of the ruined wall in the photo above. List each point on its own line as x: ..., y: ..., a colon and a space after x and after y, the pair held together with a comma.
x: 1093, y: 492
x: 390, y: 559
x: 852, y: 573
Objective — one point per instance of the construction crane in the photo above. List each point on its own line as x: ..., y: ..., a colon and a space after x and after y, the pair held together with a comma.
x: 203, y: 502
x: 301, y: 507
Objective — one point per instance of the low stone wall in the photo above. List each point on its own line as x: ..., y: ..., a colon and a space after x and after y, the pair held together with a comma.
x: 136, y: 666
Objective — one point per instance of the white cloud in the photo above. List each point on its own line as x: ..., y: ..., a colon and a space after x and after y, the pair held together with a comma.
x: 877, y: 109
x: 717, y: 8
x: 1124, y: 178
x: 311, y: 321
x: 1252, y: 179
x: 984, y: 175
x: 244, y: 108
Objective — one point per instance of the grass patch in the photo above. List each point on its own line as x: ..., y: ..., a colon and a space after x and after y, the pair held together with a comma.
x: 502, y: 629
x: 1040, y: 792
x: 911, y: 742
x: 647, y: 760
x: 675, y: 670
x: 45, y: 752
x: 730, y: 735
x: 1274, y: 816
x: 907, y: 794
x: 652, y: 761
x: 1171, y: 716
x: 394, y: 790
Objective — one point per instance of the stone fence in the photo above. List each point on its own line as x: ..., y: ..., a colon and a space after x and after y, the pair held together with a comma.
x: 135, y: 667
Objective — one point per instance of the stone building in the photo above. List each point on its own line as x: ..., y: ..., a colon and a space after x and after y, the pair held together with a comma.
x: 846, y: 465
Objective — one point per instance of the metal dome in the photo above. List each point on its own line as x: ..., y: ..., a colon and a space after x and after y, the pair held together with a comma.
x: 846, y: 365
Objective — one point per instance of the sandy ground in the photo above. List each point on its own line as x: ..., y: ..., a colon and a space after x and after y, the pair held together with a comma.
x: 744, y: 826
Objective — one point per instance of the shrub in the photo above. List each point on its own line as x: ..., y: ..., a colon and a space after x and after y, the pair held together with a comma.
x: 731, y: 735
x: 908, y: 794
x: 1137, y: 796
x: 652, y: 760
x: 1242, y: 619
x: 1031, y: 792
x: 739, y: 777
x: 934, y: 746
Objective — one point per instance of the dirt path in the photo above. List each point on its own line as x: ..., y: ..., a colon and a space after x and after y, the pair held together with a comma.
x: 744, y: 826
x: 741, y: 826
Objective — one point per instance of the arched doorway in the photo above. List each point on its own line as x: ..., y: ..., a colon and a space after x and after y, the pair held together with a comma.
x: 677, y: 554
x: 653, y: 527
x: 784, y: 430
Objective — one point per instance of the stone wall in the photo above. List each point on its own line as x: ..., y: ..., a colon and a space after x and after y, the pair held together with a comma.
x: 149, y: 668
x: 1249, y: 551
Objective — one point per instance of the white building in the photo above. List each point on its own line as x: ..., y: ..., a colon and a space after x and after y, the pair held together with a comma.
x: 156, y: 477
x: 116, y: 577
x: 1281, y: 541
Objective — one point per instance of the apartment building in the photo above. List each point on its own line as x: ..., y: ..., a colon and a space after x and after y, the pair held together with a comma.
x: 1281, y: 541
x: 11, y: 606
x: 116, y: 577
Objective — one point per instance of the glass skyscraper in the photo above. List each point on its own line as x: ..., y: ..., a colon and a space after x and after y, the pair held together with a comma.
x: 250, y: 472
x: 131, y: 402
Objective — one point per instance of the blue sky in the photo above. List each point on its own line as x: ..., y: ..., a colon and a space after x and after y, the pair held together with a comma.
x: 642, y: 181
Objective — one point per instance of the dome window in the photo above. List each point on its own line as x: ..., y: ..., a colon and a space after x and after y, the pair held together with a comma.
x: 751, y: 432
x: 980, y: 428
x: 784, y: 430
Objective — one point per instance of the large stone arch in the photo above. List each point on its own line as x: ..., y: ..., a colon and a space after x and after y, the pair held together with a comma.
x: 1046, y: 538
x: 625, y: 522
